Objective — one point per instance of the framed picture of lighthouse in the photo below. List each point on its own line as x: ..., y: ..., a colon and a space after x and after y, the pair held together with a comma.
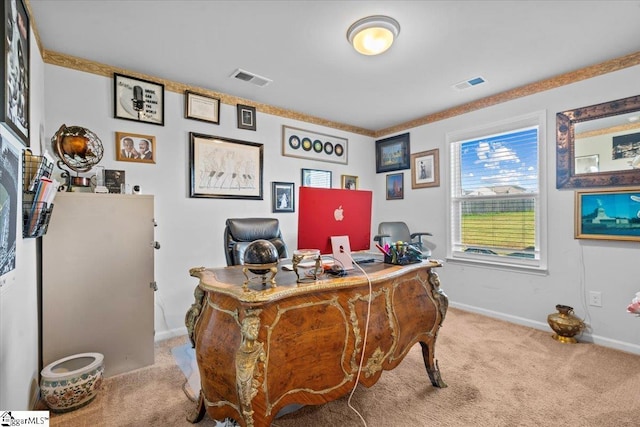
x: 612, y: 214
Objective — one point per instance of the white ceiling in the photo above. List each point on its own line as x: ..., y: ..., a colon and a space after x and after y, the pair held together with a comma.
x: 302, y: 47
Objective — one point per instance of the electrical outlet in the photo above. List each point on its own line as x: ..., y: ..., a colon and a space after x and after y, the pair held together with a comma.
x: 595, y: 299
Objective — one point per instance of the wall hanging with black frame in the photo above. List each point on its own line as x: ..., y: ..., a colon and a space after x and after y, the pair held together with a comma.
x: 316, y: 178
x: 225, y: 168
x: 246, y: 117
x: 395, y: 186
x: 201, y: 107
x: 138, y: 100
x: 392, y: 153
x: 283, y: 197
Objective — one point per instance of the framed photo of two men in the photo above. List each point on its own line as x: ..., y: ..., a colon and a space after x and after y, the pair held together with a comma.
x: 133, y: 147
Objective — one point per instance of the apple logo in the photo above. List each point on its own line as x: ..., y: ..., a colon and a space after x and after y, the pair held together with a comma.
x: 337, y: 214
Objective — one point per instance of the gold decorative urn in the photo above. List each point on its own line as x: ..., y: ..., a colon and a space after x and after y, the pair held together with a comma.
x: 565, y: 324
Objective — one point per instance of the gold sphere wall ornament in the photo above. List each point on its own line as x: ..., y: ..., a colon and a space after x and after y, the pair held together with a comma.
x: 565, y: 324
x: 78, y: 149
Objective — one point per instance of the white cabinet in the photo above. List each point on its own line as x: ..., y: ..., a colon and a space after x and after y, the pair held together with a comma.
x: 97, y: 280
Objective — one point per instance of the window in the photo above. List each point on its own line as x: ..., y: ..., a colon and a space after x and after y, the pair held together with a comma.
x: 496, y: 193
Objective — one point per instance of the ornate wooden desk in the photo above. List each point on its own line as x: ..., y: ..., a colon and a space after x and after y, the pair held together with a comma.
x: 261, y: 349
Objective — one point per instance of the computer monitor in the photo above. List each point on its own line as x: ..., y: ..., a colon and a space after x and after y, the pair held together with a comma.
x: 326, y: 212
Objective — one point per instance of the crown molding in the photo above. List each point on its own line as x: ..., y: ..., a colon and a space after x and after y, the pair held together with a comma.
x: 80, y: 64
x: 522, y: 91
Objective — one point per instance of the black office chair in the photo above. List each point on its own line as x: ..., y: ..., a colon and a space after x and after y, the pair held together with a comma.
x: 239, y: 232
x: 394, y: 231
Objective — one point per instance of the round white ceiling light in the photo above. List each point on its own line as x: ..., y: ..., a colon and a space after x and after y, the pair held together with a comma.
x: 373, y: 35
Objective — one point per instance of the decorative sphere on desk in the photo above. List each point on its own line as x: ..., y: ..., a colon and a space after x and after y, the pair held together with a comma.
x: 260, y: 252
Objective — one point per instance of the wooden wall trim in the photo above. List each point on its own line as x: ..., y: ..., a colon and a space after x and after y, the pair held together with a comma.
x: 526, y: 90
x: 80, y: 64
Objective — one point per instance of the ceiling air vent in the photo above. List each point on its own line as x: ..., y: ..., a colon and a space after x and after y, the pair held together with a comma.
x: 250, y: 77
x: 469, y: 83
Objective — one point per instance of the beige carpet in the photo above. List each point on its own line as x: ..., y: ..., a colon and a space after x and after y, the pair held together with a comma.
x: 499, y: 374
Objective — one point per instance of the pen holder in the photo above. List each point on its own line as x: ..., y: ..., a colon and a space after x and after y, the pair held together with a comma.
x: 402, y: 254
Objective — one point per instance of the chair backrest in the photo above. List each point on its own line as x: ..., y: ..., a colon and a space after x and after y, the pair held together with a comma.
x: 396, y: 230
x: 240, y: 232
x: 399, y: 231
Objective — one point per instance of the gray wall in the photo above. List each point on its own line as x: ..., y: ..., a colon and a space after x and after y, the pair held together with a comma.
x: 190, y: 230
x: 574, y: 266
x: 18, y: 288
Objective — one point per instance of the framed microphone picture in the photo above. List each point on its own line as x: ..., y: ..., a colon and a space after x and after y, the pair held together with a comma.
x: 138, y: 100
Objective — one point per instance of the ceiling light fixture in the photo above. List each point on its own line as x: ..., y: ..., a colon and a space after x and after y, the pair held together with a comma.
x: 373, y: 35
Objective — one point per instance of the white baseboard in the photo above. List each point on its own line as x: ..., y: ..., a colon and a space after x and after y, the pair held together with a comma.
x: 595, y: 339
x: 165, y: 335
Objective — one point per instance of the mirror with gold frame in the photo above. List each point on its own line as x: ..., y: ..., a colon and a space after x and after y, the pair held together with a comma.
x: 609, y: 132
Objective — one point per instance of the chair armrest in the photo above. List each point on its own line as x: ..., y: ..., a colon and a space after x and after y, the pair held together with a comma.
x: 378, y: 238
x: 423, y: 233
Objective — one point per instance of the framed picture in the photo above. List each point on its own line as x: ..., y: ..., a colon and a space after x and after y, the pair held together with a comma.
x: 587, y: 164
x: 246, y: 117
x: 15, y: 69
x: 132, y: 147
x: 115, y: 181
x: 138, y: 100
x: 349, y: 182
x: 305, y: 144
x: 201, y: 107
x: 626, y: 146
x: 425, y: 169
x: 392, y: 153
x: 316, y: 178
x: 283, y: 197
x: 612, y: 214
x: 225, y: 168
x: 395, y: 186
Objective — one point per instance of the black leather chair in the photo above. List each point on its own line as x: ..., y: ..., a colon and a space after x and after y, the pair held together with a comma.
x: 394, y: 231
x: 239, y: 232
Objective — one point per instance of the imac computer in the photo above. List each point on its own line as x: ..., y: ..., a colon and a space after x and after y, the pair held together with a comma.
x: 327, y: 212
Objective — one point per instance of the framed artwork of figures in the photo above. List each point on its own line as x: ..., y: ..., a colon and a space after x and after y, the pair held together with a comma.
x: 225, y: 168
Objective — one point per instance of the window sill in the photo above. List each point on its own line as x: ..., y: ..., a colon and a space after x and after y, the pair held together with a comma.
x: 537, y: 269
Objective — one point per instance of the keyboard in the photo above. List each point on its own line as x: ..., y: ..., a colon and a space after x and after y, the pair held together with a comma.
x: 363, y: 259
